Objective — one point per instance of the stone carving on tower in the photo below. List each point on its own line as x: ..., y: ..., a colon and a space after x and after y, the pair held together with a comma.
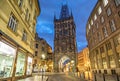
x: 65, y: 49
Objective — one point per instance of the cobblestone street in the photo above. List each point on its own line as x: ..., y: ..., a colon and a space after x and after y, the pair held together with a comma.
x: 52, y: 77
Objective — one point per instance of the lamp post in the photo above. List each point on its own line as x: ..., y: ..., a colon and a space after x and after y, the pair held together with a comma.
x: 43, y: 57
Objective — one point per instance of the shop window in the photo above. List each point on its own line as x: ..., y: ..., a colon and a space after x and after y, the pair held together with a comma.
x: 112, y: 25
x: 7, y: 54
x: 29, y: 66
x: 117, y: 2
x: 12, y: 24
x: 109, y: 12
x: 20, y: 67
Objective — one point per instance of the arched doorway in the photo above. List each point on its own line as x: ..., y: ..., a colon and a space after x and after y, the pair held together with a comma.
x: 65, y: 64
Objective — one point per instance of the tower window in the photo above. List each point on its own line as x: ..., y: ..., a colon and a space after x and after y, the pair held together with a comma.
x: 99, y: 10
x: 117, y: 2
x: 112, y: 25
x: 109, y: 11
x: 91, y: 22
x: 105, y: 31
x: 95, y: 17
x: 105, y: 2
x: 102, y: 19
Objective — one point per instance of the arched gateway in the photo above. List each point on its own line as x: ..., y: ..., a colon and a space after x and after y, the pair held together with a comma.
x: 65, y: 51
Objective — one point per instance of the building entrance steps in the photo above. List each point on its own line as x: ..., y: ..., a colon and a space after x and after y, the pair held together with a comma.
x: 35, y: 78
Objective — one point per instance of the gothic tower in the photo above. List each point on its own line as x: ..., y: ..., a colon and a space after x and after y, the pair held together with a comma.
x: 65, y: 50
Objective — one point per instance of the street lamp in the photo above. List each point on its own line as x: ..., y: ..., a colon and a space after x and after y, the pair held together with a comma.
x: 43, y: 57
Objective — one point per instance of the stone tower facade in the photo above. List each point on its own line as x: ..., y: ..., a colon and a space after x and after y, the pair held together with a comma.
x: 65, y: 49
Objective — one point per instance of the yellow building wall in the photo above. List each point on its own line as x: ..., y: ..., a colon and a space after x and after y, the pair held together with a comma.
x: 10, y: 6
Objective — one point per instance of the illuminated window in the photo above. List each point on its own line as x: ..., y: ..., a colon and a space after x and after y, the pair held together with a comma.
x: 7, y: 56
x: 99, y: 10
x: 95, y: 17
x: 20, y: 66
x: 91, y: 22
x: 12, y: 24
x: 105, y: 2
x: 89, y: 26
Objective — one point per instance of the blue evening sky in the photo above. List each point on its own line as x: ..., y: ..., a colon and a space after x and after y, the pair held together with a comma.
x: 81, y: 10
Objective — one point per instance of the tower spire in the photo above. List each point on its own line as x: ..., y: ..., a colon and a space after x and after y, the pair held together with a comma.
x: 64, y: 12
x: 54, y: 17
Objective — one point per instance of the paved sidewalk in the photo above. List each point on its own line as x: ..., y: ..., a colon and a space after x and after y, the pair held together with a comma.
x: 35, y: 78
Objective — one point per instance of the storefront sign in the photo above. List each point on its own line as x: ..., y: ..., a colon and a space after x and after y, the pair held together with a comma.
x: 4, y: 48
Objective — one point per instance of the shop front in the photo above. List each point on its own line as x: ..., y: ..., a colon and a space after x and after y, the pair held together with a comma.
x: 7, y: 56
x: 14, y: 62
x: 23, y: 65
x: 20, y: 65
x: 29, y: 66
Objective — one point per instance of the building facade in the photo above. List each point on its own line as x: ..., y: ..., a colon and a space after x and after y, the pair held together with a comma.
x: 64, y: 40
x: 103, y: 36
x: 84, y: 68
x: 43, y: 55
x: 17, y: 32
